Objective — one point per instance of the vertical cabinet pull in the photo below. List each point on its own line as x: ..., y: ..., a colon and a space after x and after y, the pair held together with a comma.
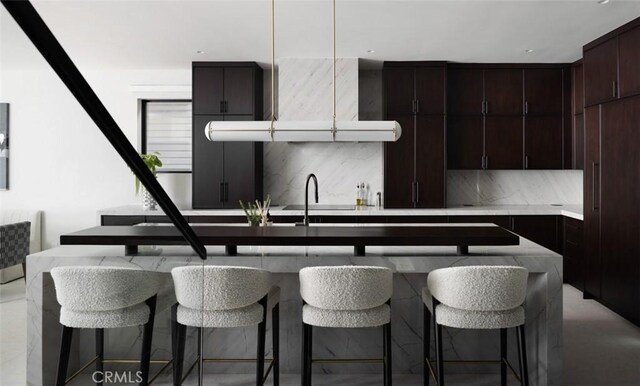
x: 526, y: 162
x: 615, y: 88
x: 486, y: 162
x: 526, y: 108
x: 226, y: 192
x: 595, y: 187
x: 413, y: 106
x: 222, y: 192
x: 417, y: 192
x: 482, y: 161
x: 482, y: 108
x: 222, y: 106
x: 486, y: 108
x: 417, y: 105
x: 413, y: 192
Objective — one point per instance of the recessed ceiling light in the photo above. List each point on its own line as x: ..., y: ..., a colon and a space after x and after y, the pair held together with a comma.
x: 529, y: 51
x: 371, y: 51
x: 603, y: 1
x: 200, y: 52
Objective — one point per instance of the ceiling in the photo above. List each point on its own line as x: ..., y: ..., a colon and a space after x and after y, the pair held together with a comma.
x: 167, y: 34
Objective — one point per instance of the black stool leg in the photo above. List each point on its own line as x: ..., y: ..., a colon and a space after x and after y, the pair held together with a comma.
x: 503, y: 357
x: 426, y: 326
x: 439, y: 359
x: 524, y: 372
x: 387, y: 355
x: 99, y: 353
x: 178, y: 356
x: 24, y: 270
x: 63, y: 359
x: 307, y: 343
x: 275, y: 334
x: 200, y: 357
x: 147, y: 335
x: 262, y: 332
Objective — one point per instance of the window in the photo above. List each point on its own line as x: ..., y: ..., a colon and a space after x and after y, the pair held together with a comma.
x: 166, y: 129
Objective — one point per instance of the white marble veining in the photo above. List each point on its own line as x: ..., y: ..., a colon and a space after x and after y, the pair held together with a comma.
x: 514, y: 187
x: 544, y: 308
x: 571, y: 210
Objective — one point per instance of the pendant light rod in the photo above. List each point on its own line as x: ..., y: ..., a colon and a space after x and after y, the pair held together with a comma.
x: 334, y: 64
x: 273, y: 60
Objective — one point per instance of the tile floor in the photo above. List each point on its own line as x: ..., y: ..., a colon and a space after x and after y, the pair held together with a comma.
x: 601, y: 348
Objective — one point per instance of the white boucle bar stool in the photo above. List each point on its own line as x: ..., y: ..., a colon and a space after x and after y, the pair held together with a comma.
x: 105, y: 297
x: 232, y: 297
x: 345, y: 297
x: 476, y: 297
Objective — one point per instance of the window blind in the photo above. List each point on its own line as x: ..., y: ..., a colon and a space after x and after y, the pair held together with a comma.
x: 168, y: 132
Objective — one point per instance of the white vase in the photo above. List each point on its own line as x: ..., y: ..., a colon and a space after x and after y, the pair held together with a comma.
x: 148, y: 202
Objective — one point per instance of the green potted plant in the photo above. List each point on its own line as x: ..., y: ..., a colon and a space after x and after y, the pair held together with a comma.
x: 153, y: 162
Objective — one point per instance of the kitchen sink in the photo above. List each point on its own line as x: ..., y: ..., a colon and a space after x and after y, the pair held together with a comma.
x: 320, y: 207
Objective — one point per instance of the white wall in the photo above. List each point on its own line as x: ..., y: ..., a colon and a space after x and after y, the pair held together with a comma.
x: 60, y: 162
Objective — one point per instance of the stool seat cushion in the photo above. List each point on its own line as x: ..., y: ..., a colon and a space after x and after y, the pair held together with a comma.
x: 237, y: 317
x: 458, y: 318
x: 372, y: 317
x: 124, y: 317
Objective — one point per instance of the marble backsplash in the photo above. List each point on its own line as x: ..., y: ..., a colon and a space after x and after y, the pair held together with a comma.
x: 513, y: 187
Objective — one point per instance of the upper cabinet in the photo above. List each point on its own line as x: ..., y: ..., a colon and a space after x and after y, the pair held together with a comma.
x: 411, y: 88
x: 224, y: 90
x: 629, y: 54
x: 601, y: 72
x: 503, y: 91
x: 543, y: 91
x: 399, y: 90
x: 465, y: 91
x: 430, y: 90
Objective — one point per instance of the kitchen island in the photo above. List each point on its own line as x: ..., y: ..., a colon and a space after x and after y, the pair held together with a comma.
x: 410, y: 264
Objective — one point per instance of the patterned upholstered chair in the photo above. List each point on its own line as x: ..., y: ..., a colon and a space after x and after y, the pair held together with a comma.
x: 14, y: 244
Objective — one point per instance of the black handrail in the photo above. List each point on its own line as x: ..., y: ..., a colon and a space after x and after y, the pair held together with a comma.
x: 37, y: 31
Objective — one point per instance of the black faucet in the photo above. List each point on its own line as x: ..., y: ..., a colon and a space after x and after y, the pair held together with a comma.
x: 306, y: 197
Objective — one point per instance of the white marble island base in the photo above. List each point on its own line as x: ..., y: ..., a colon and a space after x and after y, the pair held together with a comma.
x: 543, y: 306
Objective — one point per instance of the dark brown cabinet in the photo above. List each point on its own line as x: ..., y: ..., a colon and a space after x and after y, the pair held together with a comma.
x: 543, y: 91
x: 415, y: 165
x: 465, y: 142
x: 629, y: 58
x: 573, y: 262
x: 543, y: 230
x: 503, y: 143
x: 620, y: 207
x: 543, y: 142
x: 592, y: 201
x: 465, y: 91
x: 225, y: 172
x: 600, y: 65
x: 503, y: 91
x: 578, y: 142
x: 577, y: 108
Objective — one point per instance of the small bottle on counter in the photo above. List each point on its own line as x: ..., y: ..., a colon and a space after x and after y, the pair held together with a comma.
x: 358, y: 195
x: 364, y: 195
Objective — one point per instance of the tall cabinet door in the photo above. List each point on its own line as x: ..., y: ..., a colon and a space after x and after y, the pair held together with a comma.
x: 543, y: 142
x: 238, y: 158
x: 591, y: 191
x: 600, y: 66
x: 399, y: 165
x: 399, y: 90
x: 465, y: 91
x: 207, y: 167
x: 208, y: 86
x: 503, y: 91
x: 430, y: 90
x: 620, y: 207
x: 465, y: 142
x: 503, y: 143
x: 238, y: 90
x: 629, y: 43
x: 430, y: 161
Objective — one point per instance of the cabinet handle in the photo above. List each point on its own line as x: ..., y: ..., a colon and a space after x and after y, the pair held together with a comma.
x: 513, y: 223
x: 486, y: 162
x: 526, y: 108
x: 413, y: 106
x: 226, y: 192
x: 417, y: 192
x: 486, y: 108
x: 615, y: 89
x: 222, y: 106
x: 413, y: 192
x: 226, y: 106
x: 222, y: 192
x: 482, y: 162
x: 594, y: 187
x: 417, y: 105
x: 482, y: 108
x: 526, y: 162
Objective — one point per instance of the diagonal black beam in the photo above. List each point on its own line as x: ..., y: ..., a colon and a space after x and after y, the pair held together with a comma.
x: 35, y: 28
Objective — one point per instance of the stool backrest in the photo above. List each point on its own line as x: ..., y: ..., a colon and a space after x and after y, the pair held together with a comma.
x: 104, y: 288
x: 225, y: 288
x: 479, y: 288
x: 346, y: 287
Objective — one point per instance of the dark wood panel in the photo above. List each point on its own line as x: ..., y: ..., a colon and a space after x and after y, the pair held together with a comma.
x: 543, y: 230
x: 620, y: 207
x: 465, y: 142
x: 629, y: 46
x: 288, y: 235
x: 416, y: 219
x: 207, y: 166
x: 399, y: 90
x: 543, y: 91
x: 578, y: 142
x: 240, y: 169
x: 578, y: 89
x: 592, y: 271
x: 208, y: 90
x: 430, y: 90
x: 399, y: 168
x: 600, y: 66
x: 573, y: 261
x: 465, y: 91
x: 503, y: 221
x: 121, y: 220
x: 503, y: 143
x: 430, y: 161
x: 503, y: 91
x: 239, y: 90
x: 543, y: 142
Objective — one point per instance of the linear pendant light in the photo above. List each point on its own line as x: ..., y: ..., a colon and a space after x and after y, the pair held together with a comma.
x: 302, y: 131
